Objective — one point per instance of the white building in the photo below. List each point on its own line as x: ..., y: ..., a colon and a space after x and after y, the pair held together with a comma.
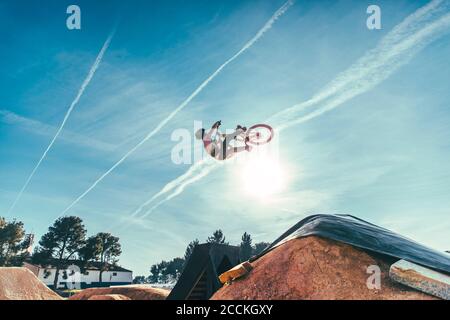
x: 74, y: 278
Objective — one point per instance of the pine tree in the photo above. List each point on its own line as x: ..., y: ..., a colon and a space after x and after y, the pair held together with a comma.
x: 246, y: 249
x: 62, y: 242
x: 12, y: 243
x: 217, y: 237
x: 190, y: 248
x: 154, y: 274
x: 259, y: 247
x: 109, y: 251
x: 90, y: 251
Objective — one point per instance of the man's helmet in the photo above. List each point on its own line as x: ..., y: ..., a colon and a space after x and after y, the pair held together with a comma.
x: 199, y: 134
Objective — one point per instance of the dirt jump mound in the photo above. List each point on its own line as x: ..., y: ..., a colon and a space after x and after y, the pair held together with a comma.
x: 22, y: 284
x: 109, y: 297
x: 138, y: 292
x: 315, y: 268
x: 327, y: 256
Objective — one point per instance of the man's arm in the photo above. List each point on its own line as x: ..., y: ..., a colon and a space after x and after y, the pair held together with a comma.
x: 213, y: 129
x: 216, y: 124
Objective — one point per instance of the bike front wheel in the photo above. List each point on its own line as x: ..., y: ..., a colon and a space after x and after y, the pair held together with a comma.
x: 259, y: 134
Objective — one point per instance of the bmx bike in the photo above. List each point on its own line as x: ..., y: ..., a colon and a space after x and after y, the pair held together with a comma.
x: 258, y: 134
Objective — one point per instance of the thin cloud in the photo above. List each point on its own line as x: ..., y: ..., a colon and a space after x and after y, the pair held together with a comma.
x: 85, y: 83
x: 247, y: 46
x: 192, y: 171
x: 43, y: 129
x: 178, y: 185
x: 394, y: 50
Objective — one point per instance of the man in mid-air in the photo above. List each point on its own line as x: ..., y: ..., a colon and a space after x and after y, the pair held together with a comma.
x: 217, y: 145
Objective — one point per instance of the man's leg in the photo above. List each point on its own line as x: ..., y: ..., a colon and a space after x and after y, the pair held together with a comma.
x: 232, y: 136
x: 231, y: 151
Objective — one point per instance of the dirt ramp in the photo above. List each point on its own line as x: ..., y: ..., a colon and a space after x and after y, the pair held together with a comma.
x: 22, y: 284
x: 109, y: 297
x: 315, y: 268
x: 132, y: 292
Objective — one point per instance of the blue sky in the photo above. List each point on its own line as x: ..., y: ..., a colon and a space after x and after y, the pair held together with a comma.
x: 382, y: 155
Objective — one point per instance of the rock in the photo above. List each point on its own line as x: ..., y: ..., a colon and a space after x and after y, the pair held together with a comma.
x: 421, y: 278
x: 109, y: 297
x: 133, y: 292
x: 21, y: 284
x: 316, y: 268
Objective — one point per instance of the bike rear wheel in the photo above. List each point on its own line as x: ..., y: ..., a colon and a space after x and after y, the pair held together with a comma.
x: 259, y: 134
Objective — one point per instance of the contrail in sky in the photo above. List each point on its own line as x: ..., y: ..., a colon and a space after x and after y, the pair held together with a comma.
x: 394, y: 50
x: 195, y: 172
x: 249, y: 44
x: 66, y: 117
x: 192, y: 171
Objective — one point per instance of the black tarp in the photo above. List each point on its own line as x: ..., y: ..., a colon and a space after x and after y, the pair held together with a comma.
x: 364, y: 235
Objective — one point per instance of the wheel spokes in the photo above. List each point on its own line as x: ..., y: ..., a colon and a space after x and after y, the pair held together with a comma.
x: 259, y: 134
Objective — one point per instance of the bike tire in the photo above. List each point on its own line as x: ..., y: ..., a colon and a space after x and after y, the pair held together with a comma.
x: 251, y: 137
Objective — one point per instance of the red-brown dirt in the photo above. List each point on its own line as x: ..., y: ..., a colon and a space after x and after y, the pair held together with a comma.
x: 132, y: 292
x: 109, y: 297
x: 21, y: 284
x: 315, y: 268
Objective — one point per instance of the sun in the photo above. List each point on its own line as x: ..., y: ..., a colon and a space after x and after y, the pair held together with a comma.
x: 263, y: 176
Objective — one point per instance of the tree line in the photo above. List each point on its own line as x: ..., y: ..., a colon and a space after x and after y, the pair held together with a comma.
x: 169, y: 271
x: 65, y: 243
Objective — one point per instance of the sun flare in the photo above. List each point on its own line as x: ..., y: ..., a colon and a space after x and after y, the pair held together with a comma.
x: 262, y: 177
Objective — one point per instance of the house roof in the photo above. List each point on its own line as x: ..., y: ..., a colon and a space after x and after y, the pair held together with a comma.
x: 205, y: 264
x: 365, y: 235
x: 93, y: 265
